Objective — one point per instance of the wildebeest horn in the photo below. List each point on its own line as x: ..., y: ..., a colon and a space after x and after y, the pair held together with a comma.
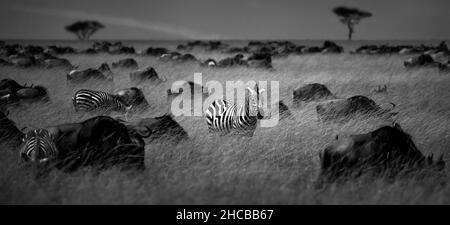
x: 393, y: 106
x: 44, y: 160
x: 395, y: 124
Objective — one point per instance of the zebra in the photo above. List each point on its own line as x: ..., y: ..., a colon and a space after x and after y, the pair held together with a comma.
x: 38, y: 147
x: 90, y: 100
x: 224, y: 117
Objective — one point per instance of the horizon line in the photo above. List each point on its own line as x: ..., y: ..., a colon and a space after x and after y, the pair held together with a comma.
x: 220, y: 39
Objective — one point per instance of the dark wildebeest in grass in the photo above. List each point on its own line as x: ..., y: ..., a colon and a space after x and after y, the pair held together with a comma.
x: 12, y: 92
x: 444, y: 67
x: 22, y: 60
x: 80, y: 76
x: 283, y: 110
x: 156, y: 51
x: 5, y: 63
x: 100, y: 142
x: 9, y: 133
x: 331, y: 47
x: 9, y: 85
x: 170, y: 56
x: 148, y: 74
x: 57, y: 63
x: 347, y: 108
x: 133, y: 97
x: 311, y: 92
x: 59, y: 50
x: 106, y: 70
x: 385, y: 151
x: 423, y: 60
x: 163, y: 129
x: 260, y: 60
x: 189, y: 85
x: 128, y: 63
x: 237, y: 60
x: 32, y: 94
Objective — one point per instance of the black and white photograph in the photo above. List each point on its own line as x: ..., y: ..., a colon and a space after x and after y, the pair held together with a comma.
x: 224, y: 102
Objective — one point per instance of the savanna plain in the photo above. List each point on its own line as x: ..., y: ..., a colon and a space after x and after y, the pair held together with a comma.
x: 278, y: 165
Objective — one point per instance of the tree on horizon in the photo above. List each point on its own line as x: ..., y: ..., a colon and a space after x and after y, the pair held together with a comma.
x: 84, y: 29
x: 350, y: 17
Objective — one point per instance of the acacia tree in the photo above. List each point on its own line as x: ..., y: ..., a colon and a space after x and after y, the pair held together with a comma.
x: 84, y: 29
x: 350, y: 17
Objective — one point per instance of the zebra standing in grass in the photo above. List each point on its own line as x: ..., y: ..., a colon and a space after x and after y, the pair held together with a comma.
x: 90, y: 100
x: 223, y: 117
x: 38, y: 147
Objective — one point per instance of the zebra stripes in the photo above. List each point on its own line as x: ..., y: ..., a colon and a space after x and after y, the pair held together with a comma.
x: 90, y: 100
x: 223, y: 117
x: 38, y: 146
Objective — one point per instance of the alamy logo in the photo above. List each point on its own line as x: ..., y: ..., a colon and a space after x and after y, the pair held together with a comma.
x: 194, y: 98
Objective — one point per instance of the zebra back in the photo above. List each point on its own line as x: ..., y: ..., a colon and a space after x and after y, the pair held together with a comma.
x: 90, y: 100
x: 38, y: 146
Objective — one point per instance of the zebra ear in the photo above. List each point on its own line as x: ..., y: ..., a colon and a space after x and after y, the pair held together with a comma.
x: 250, y: 90
x: 261, y: 91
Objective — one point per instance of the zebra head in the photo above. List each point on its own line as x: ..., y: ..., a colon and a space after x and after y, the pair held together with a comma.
x: 38, y: 147
x: 253, y: 101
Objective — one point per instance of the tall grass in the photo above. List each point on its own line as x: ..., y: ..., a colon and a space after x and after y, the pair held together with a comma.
x: 276, y: 166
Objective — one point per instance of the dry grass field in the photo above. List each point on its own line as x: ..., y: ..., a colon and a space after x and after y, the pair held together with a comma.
x: 277, y: 165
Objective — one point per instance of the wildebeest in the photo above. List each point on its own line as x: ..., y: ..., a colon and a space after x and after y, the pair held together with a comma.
x: 159, y: 129
x: 189, y: 85
x: 57, y: 63
x: 187, y: 57
x: 237, y: 60
x: 104, y: 68
x: 59, y: 50
x: 133, y: 97
x: 9, y: 85
x: 99, y: 141
x: 9, y: 133
x: 210, y: 45
x: 260, y: 60
x: 32, y: 93
x: 5, y: 63
x: 111, y: 48
x: 311, y: 92
x: 283, y: 110
x: 13, y: 92
x: 385, y: 151
x: 22, y: 60
x: 170, y: 56
x: 148, y: 74
x: 444, y: 67
x: 421, y: 60
x: 128, y: 63
x: 331, y: 47
x: 345, y: 108
x: 80, y: 76
x: 156, y: 51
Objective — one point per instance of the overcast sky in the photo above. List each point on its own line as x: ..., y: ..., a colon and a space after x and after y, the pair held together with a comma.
x: 225, y: 19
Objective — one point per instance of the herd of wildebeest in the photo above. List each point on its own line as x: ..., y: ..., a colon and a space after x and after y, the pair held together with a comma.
x: 103, y: 141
